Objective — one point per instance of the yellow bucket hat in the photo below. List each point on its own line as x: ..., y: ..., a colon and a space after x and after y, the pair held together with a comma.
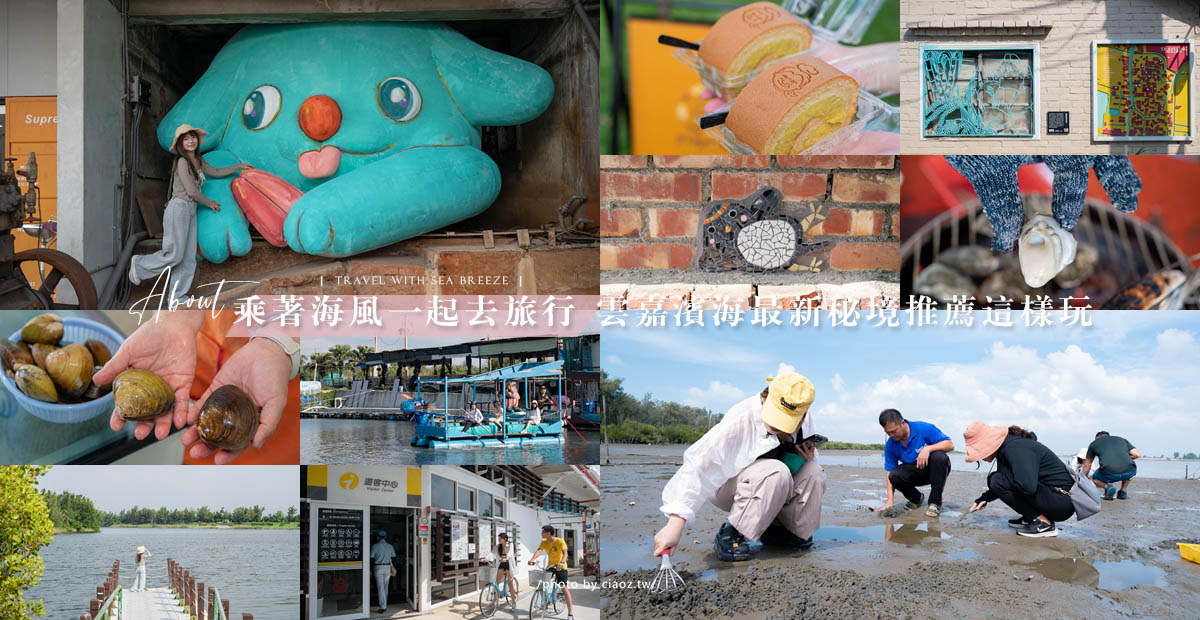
x: 788, y: 398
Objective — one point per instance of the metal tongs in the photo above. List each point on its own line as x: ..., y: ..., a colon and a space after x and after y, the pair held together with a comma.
x: 667, y: 580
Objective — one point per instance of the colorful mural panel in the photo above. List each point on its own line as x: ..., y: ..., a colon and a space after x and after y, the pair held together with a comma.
x: 1142, y: 90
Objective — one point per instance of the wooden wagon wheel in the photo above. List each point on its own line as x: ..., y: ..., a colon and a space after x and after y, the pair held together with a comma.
x: 61, y: 264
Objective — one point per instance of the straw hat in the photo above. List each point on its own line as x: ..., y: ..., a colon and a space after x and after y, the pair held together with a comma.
x: 141, y: 550
x: 184, y: 128
x: 983, y: 440
x: 788, y: 398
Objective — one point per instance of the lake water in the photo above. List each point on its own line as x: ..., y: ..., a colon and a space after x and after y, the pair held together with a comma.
x: 376, y: 442
x: 255, y: 569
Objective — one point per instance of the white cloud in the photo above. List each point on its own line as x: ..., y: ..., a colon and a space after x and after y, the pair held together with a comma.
x: 1176, y: 344
x: 717, y: 396
x: 613, y: 360
x: 839, y: 384
x: 1061, y: 396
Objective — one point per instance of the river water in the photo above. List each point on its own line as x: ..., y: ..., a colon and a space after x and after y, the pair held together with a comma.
x: 377, y: 442
x: 255, y: 569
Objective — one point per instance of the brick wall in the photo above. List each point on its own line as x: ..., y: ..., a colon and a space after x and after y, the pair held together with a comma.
x: 650, y: 207
x: 1064, y: 66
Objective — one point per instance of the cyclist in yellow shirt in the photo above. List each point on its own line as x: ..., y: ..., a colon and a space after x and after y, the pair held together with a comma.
x: 556, y: 562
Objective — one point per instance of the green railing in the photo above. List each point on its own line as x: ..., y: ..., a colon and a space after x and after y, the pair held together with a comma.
x: 113, y: 608
x: 197, y: 601
x: 108, y: 603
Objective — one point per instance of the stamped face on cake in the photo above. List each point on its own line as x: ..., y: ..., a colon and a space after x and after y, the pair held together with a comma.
x: 762, y: 14
x: 792, y: 78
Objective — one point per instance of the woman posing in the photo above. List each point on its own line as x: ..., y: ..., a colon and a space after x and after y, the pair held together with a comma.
x: 178, y: 251
x: 1029, y: 477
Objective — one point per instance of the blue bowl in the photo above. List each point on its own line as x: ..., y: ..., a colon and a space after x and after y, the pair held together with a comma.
x: 74, y: 330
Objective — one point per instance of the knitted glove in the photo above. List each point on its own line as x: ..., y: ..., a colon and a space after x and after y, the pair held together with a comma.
x: 994, y: 178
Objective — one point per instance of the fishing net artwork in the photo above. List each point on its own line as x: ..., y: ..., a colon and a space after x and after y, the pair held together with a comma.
x: 753, y: 235
x: 978, y: 92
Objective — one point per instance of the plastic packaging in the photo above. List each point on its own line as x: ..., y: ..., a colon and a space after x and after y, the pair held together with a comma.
x: 872, y: 115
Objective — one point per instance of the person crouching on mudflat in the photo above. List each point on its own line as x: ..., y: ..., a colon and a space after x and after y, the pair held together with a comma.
x: 1029, y: 477
x: 752, y: 466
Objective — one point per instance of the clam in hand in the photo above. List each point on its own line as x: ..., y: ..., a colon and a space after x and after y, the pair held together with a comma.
x: 228, y: 419
x: 71, y: 368
x: 36, y: 383
x: 142, y: 395
x: 43, y: 328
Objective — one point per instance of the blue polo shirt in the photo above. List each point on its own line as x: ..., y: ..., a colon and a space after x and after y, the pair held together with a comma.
x: 920, y: 434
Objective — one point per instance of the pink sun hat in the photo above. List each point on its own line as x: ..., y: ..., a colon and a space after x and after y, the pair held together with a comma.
x: 983, y: 440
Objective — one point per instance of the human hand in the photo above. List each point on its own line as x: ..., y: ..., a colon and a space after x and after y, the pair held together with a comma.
x: 923, y: 457
x: 262, y: 370
x: 887, y: 505
x: 806, y: 450
x: 214, y: 205
x: 241, y: 167
x: 668, y: 537
x: 165, y: 346
x: 994, y: 178
x: 874, y: 67
x: 978, y: 506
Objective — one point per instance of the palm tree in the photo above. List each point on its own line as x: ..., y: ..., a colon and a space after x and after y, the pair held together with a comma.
x: 321, y: 359
x: 360, y: 355
x: 341, y: 354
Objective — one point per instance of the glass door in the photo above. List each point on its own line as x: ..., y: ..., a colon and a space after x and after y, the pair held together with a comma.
x: 411, y: 561
x: 339, y: 553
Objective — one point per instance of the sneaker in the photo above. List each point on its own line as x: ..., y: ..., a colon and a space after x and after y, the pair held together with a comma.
x: 1038, y: 529
x: 1110, y: 491
x: 731, y: 545
x: 1122, y: 495
x: 778, y: 535
x: 912, y: 506
x: 1018, y: 523
x: 133, y: 273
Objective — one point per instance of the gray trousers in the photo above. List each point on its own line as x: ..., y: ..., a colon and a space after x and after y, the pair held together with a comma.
x: 765, y: 489
x: 178, y: 249
x: 383, y: 574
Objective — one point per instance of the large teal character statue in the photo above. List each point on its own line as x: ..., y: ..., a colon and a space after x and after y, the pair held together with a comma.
x: 360, y: 135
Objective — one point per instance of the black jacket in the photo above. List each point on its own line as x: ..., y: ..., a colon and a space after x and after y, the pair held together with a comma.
x: 1029, y: 464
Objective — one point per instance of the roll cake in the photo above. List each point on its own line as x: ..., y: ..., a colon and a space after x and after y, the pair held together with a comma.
x: 791, y: 105
x: 751, y: 37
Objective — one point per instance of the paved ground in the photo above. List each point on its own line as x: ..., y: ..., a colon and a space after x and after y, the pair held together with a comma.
x: 152, y: 604
x: 586, y: 599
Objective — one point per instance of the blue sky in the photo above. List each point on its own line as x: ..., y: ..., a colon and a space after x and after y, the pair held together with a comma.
x: 1132, y: 373
x: 117, y: 487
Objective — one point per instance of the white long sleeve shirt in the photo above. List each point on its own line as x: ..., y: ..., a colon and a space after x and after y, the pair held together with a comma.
x: 726, y: 449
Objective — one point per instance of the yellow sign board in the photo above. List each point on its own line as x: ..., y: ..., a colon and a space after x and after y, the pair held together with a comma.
x: 31, y: 125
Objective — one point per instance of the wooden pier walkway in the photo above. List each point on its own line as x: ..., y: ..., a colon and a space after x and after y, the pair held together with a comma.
x: 152, y: 604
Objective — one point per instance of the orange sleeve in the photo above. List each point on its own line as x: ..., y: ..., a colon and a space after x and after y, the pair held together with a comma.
x: 213, y: 348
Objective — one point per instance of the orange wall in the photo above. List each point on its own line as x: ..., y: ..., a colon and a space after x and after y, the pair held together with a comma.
x: 31, y: 124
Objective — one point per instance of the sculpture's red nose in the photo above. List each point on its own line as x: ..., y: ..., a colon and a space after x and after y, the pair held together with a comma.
x: 320, y: 117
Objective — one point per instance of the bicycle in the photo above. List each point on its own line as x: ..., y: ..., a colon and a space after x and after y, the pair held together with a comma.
x: 548, y: 595
x: 490, y: 595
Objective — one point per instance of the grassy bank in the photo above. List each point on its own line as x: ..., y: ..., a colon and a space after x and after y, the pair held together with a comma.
x: 214, y: 526
x: 631, y: 431
x: 60, y: 531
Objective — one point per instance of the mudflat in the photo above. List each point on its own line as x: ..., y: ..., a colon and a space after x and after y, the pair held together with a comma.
x: 1122, y: 562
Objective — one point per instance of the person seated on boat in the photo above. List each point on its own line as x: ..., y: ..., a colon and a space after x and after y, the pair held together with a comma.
x: 533, y: 417
x: 494, y: 414
x: 472, y: 416
x: 544, y: 398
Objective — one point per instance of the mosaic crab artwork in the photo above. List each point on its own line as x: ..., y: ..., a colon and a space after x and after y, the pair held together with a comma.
x: 360, y: 134
x: 751, y: 235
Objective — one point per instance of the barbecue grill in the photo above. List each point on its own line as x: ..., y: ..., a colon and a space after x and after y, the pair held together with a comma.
x: 1129, y: 249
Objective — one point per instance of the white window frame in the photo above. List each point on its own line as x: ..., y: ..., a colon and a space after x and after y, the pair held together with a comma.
x: 1096, y: 116
x: 1035, y: 48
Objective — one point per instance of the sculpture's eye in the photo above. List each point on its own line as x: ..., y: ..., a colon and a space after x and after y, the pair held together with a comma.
x: 733, y: 214
x: 712, y: 229
x: 261, y: 107
x: 399, y: 98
